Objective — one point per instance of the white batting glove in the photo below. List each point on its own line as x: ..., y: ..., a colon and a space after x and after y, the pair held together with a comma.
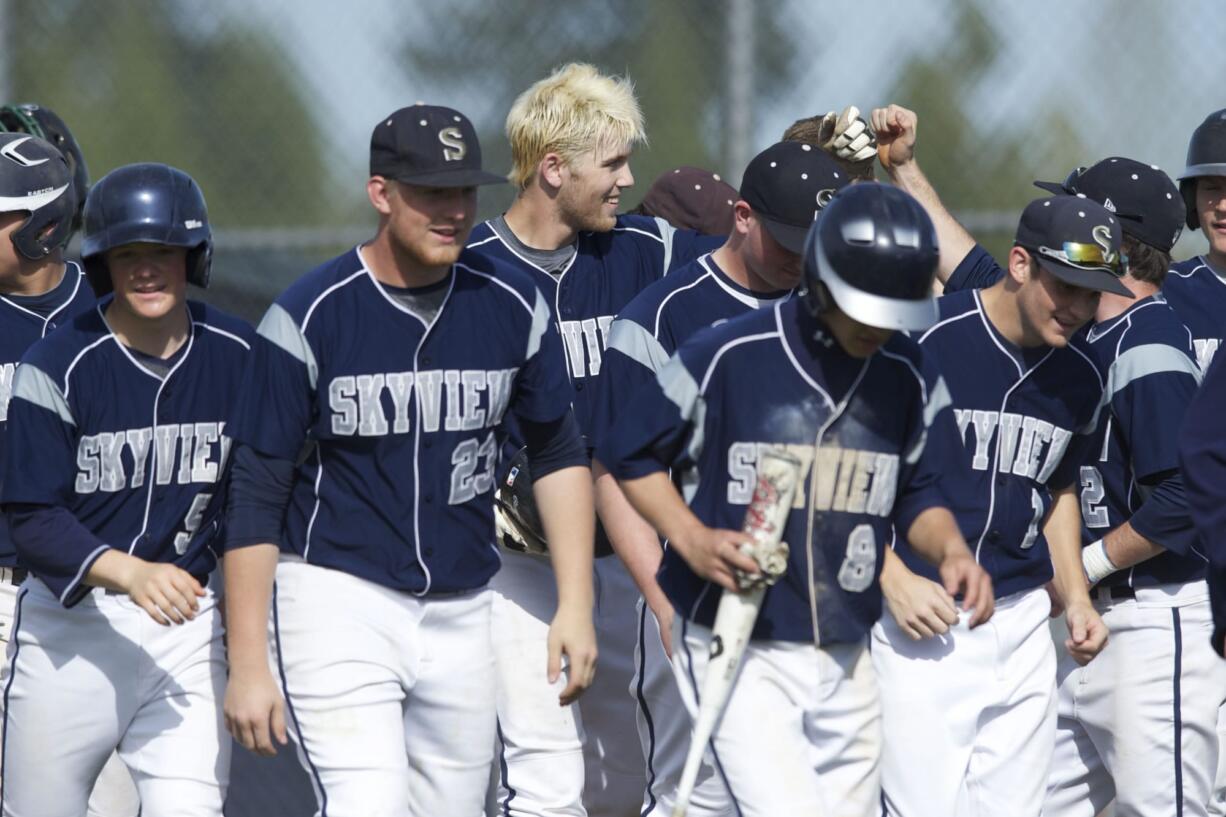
x: 847, y: 136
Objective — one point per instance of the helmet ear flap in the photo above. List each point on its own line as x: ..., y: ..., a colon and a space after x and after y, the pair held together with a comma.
x: 1187, y: 187
x: 816, y: 298
x: 199, y: 264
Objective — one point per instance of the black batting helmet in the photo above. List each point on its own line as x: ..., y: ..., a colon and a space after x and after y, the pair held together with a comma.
x: 1206, y: 157
x: 520, y: 525
x: 146, y: 203
x: 46, y: 124
x: 874, y: 253
x: 34, y: 178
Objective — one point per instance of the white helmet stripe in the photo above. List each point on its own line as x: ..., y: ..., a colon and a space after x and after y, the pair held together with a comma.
x: 37, y: 201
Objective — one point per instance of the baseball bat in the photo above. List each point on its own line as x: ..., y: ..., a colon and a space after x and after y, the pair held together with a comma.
x: 777, y: 478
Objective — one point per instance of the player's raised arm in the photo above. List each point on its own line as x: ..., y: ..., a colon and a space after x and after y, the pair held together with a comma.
x: 896, y: 128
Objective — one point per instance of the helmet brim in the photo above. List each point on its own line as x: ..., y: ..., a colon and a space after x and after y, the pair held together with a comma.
x: 1196, y: 171
x: 878, y: 311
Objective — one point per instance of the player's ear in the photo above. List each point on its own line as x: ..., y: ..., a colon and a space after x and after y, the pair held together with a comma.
x: 379, y: 190
x: 742, y: 217
x: 552, y: 170
x: 1020, y: 264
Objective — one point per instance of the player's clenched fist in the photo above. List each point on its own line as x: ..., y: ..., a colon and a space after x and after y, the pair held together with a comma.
x: 255, y: 711
x: 895, y: 127
x: 962, y: 574
x: 1087, y: 632
x: 715, y: 554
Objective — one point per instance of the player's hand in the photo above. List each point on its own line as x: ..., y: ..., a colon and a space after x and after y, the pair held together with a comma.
x: 921, y: 607
x: 255, y: 711
x: 847, y: 136
x: 715, y: 554
x: 167, y: 593
x: 1087, y: 632
x: 573, y: 635
x: 962, y: 574
x: 663, y: 611
x: 895, y: 127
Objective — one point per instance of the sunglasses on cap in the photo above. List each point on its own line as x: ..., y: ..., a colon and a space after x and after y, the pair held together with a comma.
x: 1088, y: 256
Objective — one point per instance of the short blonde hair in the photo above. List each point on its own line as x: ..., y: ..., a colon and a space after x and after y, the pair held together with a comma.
x: 574, y: 110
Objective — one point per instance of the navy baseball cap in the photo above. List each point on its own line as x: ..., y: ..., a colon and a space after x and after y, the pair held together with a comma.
x: 430, y: 146
x: 1077, y: 240
x: 787, y: 185
x: 1144, y: 198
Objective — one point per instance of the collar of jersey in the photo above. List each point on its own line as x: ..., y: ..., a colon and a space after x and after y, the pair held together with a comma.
x: 747, y: 296
x: 1100, y: 330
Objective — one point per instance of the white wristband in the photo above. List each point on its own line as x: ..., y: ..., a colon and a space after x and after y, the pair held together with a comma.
x: 1096, y: 563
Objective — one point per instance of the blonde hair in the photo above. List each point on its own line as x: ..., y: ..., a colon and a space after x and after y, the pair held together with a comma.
x: 574, y: 110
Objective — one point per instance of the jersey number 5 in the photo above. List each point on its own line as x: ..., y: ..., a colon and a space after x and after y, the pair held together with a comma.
x: 191, y: 522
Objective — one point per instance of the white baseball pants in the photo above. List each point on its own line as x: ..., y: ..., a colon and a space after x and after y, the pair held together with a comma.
x: 80, y: 683
x: 1139, y: 722
x: 579, y: 760
x: 802, y: 730
x: 969, y: 717
x: 390, y: 697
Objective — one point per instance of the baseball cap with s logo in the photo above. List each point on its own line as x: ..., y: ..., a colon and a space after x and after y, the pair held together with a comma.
x: 429, y: 146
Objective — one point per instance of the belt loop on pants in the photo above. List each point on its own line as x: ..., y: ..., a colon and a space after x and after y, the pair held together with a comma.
x: 13, y: 575
x: 1113, y: 593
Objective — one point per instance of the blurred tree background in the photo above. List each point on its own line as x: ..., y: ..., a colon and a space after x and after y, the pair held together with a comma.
x: 269, y: 103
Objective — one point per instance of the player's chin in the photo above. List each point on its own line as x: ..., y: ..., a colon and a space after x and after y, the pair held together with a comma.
x: 440, y: 255
x: 602, y: 220
x: 1059, y: 333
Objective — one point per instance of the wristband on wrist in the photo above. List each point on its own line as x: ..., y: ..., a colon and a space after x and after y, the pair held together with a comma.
x: 1096, y: 563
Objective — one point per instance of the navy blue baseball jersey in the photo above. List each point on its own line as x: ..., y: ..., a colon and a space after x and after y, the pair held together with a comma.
x: 1025, y: 418
x: 24, y: 320
x: 771, y: 378
x: 1151, y: 378
x: 1202, y: 452
x: 606, y: 272
x: 648, y: 331
x: 1198, y: 296
x: 133, y: 456
x: 396, y: 423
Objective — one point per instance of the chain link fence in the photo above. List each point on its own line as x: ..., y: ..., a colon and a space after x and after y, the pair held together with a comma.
x: 269, y: 104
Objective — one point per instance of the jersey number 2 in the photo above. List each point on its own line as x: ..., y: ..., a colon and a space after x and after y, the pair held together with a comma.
x: 466, y: 481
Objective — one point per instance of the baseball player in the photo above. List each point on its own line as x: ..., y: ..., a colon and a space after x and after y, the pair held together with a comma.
x: 369, y: 436
x: 571, y: 137
x: 1027, y: 392
x: 1203, y: 461
x: 827, y: 378
x: 1196, y: 288
x: 115, y: 447
x: 783, y: 188
x: 41, y: 290
x: 1139, y: 554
